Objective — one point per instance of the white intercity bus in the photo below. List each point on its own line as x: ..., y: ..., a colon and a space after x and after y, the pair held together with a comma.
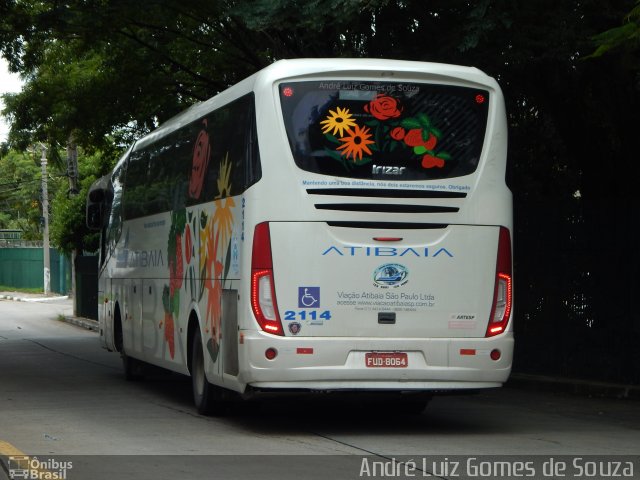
x: 333, y: 225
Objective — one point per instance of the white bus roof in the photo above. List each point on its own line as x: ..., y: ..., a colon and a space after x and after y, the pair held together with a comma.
x: 303, y: 67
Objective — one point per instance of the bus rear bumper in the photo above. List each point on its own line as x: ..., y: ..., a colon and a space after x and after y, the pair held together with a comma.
x: 442, y: 364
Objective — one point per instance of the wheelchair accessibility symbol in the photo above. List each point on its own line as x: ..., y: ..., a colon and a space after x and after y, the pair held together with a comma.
x: 308, y: 297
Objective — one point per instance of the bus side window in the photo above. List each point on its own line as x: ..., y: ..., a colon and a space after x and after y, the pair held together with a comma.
x: 253, y: 170
x: 115, y: 220
x: 135, y: 185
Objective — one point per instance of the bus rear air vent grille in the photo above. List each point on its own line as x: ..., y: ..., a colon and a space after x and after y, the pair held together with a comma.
x: 406, y: 201
x: 384, y: 193
x: 385, y: 208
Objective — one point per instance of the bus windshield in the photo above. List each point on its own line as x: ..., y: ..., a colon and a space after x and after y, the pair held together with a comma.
x: 414, y: 131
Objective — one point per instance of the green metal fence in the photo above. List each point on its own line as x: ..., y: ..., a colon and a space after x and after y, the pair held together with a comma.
x: 23, y: 267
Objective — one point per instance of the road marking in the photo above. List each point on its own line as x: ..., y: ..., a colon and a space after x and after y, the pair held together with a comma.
x: 7, y: 449
x: 24, y: 463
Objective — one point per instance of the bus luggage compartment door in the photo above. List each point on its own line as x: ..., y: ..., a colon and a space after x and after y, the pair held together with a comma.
x: 336, y: 281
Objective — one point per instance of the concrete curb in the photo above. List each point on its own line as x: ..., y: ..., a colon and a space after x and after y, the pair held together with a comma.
x: 83, y: 322
x: 38, y: 298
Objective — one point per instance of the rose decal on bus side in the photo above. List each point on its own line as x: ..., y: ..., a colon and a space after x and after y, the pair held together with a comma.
x: 201, y: 156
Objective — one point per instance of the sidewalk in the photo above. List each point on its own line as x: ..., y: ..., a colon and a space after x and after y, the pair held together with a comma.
x: 586, y: 388
x: 87, y: 323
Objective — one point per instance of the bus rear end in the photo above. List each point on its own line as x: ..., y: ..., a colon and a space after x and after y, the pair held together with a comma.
x: 380, y: 234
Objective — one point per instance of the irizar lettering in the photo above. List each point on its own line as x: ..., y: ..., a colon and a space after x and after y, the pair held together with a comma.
x: 387, y: 170
x: 356, y: 251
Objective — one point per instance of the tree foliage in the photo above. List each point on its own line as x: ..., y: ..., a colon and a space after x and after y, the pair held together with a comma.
x: 20, y: 193
x: 625, y: 36
x: 68, y: 230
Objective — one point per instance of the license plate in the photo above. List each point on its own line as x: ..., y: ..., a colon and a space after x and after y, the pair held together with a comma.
x: 386, y: 360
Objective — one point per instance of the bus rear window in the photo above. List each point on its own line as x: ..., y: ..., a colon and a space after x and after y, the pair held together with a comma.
x: 384, y: 130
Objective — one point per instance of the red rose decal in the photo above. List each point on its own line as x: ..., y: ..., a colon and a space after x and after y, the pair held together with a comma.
x: 169, y: 333
x: 414, y: 138
x: 398, y: 133
x: 187, y: 244
x: 383, y: 107
x: 201, y: 156
x: 429, y: 161
x: 431, y: 143
x: 176, y: 269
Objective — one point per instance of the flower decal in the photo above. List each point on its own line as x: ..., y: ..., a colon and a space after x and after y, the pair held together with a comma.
x: 356, y: 142
x: 201, y: 156
x: 338, y: 121
x: 171, y: 292
x: 385, y: 129
x: 223, y: 216
x: 383, y: 107
x: 398, y: 133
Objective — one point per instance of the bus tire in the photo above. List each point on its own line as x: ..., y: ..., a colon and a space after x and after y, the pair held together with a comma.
x: 133, y: 369
x: 208, y: 398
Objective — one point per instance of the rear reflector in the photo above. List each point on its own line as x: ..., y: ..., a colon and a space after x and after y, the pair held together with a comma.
x: 270, y: 353
x: 263, y: 292
x: 503, y: 290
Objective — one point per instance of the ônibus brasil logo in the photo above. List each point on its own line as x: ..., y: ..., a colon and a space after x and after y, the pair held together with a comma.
x: 390, y: 275
x: 25, y: 467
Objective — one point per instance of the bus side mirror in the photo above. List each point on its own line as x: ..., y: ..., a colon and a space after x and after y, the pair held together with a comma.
x: 98, y: 202
x: 95, y: 216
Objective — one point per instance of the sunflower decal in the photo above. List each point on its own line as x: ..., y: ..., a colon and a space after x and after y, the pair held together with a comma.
x: 338, y: 121
x: 356, y: 142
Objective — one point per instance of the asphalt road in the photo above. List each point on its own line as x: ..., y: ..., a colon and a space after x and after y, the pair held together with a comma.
x: 63, y: 398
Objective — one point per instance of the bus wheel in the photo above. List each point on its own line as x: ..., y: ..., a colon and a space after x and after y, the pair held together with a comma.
x: 133, y: 369
x: 208, y: 398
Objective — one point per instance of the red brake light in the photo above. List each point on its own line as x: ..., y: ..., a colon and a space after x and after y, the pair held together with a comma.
x: 503, y: 290
x: 263, y: 293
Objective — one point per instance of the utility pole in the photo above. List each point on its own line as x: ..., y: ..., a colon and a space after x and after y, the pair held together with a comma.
x: 72, y: 173
x: 45, y: 217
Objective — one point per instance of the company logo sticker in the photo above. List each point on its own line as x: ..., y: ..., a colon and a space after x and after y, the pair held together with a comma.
x: 308, y: 297
x: 295, y: 327
x: 462, y: 321
x: 390, y: 275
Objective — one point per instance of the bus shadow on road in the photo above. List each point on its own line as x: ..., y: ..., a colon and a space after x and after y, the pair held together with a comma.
x: 366, y: 414
x: 338, y: 411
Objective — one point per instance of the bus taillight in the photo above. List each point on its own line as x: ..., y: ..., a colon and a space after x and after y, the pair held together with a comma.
x: 263, y: 295
x: 503, y: 290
